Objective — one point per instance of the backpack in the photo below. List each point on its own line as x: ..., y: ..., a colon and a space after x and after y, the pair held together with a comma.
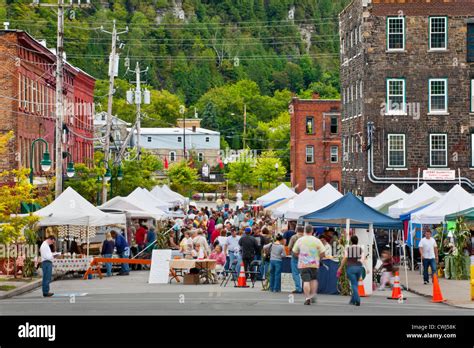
x: 267, y: 253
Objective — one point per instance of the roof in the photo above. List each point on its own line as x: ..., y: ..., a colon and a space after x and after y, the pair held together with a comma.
x: 282, y: 191
x: 70, y: 208
x: 47, y: 51
x: 391, y: 194
x: 457, y: 199
x: 421, y: 197
x: 176, y: 131
x: 352, y: 208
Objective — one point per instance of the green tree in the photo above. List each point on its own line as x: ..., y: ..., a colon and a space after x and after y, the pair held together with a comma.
x: 241, y: 170
x: 269, y: 168
x: 209, y: 117
x: 182, y: 175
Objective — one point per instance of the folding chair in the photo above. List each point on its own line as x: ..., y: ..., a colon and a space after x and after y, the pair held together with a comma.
x: 229, y: 273
x: 254, y: 272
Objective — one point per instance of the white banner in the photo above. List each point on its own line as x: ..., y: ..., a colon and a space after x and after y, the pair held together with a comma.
x: 439, y: 174
x: 160, y: 267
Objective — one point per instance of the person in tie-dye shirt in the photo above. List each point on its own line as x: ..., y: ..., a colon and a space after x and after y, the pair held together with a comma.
x: 309, y: 251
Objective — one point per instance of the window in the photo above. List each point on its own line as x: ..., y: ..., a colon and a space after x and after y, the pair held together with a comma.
x: 180, y: 139
x: 472, y: 150
x: 334, y: 125
x: 438, y: 98
x: 356, y: 33
x: 309, y: 125
x: 172, y: 156
x: 438, y: 150
x: 309, y: 154
x: 438, y: 33
x: 335, y: 184
x: 149, y: 139
x: 360, y: 89
x: 200, y: 157
x: 207, y: 139
x: 396, y: 150
x: 360, y: 33
x: 396, y: 96
x: 310, y: 183
x: 396, y: 33
x: 472, y: 95
x: 470, y: 42
x: 103, y: 117
x: 334, y: 154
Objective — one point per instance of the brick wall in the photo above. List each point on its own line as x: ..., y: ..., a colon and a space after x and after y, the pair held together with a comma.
x: 322, y: 170
x: 416, y: 65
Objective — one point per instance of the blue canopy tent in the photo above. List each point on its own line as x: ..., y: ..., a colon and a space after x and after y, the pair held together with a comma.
x: 352, y: 212
x: 351, y: 209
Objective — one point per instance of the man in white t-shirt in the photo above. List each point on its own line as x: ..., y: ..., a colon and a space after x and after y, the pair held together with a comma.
x: 429, y: 255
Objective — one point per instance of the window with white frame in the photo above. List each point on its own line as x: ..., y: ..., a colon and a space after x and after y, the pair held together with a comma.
x: 180, y: 139
x: 472, y: 95
x: 334, y: 154
x: 438, y: 150
x: 149, y: 139
x: 310, y: 182
x: 309, y: 154
x: 396, y: 33
x: 438, y: 33
x: 200, y: 157
x: 335, y: 184
x: 396, y: 96
x: 472, y: 150
x: 438, y: 95
x: 396, y: 150
x: 172, y: 156
x: 207, y: 139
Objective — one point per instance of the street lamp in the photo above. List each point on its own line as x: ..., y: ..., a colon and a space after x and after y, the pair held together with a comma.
x: 108, y: 175
x: 45, y: 162
x: 119, y: 173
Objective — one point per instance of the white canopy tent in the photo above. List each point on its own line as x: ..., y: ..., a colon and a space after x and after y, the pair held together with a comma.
x: 135, y: 209
x: 70, y: 208
x: 145, y: 198
x: 390, y: 195
x: 278, y: 193
x: 455, y: 200
x: 422, y: 196
x: 307, y: 202
x: 164, y: 193
x: 288, y: 204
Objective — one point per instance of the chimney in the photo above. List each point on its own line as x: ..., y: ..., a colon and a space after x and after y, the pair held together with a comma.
x: 315, y: 95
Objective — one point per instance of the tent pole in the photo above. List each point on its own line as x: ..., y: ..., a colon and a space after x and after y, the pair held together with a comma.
x: 87, y: 241
x: 405, y: 258
x: 412, y: 249
x: 348, y: 226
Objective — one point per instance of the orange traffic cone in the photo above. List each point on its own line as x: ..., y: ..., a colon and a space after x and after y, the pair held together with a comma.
x: 361, y: 288
x: 242, y: 281
x: 437, y: 296
x: 396, y: 290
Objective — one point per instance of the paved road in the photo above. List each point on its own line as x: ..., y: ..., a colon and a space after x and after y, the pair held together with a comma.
x: 133, y: 296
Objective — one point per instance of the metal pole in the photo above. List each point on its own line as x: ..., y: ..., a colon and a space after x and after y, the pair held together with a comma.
x: 184, y: 137
x: 138, y: 101
x: 109, y: 107
x: 245, y: 126
x: 59, y: 101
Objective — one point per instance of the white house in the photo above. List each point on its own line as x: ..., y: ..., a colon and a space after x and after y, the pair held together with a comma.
x: 171, y: 143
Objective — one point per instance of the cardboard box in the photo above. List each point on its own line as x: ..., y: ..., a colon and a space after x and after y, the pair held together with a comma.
x: 191, y: 279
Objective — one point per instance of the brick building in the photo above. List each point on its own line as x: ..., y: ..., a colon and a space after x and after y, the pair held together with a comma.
x: 407, y: 87
x: 27, y: 102
x: 315, y: 143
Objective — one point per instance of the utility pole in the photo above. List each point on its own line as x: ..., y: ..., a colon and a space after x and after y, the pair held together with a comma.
x: 113, y: 72
x: 58, y: 149
x: 137, y: 99
x: 245, y: 126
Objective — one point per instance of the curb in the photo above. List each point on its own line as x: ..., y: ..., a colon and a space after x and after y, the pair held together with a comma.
x: 446, y: 302
x: 25, y: 288
x: 22, y: 289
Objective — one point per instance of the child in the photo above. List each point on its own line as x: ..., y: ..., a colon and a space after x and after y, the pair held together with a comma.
x: 387, y: 266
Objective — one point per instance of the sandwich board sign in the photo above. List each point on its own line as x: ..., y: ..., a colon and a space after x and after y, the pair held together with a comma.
x: 160, y: 266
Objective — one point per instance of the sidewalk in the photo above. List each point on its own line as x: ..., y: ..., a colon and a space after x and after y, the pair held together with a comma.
x: 19, y: 287
x: 455, y: 292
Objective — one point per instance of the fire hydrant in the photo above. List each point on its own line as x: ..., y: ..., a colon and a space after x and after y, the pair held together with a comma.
x: 472, y: 278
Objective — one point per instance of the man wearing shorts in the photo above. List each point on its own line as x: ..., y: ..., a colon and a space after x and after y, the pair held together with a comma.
x: 309, y: 250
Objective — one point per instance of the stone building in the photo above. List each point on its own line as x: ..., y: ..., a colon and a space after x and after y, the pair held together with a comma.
x: 315, y: 143
x: 407, y: 88
x: 27, y: 102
